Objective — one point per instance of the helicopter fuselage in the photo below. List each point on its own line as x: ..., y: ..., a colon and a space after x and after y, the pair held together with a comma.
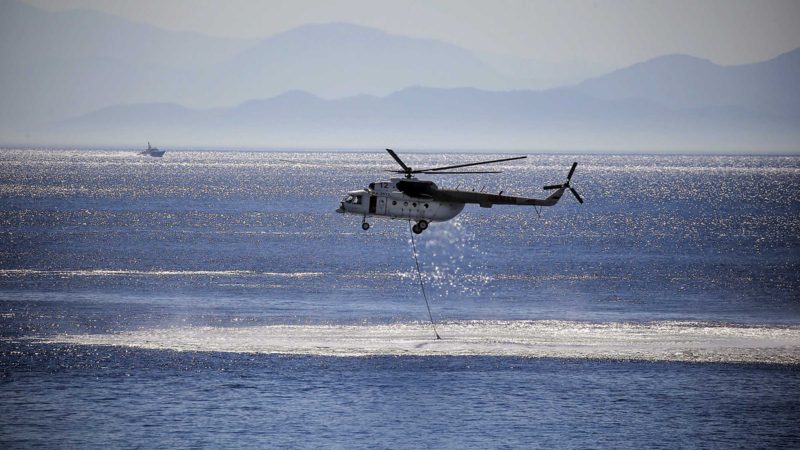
x: 384, y: 199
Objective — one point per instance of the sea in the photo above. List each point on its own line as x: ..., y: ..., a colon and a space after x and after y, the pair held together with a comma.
x: 213, y: 299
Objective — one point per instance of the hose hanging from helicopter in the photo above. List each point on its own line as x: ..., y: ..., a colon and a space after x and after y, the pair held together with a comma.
x: 421, y: 284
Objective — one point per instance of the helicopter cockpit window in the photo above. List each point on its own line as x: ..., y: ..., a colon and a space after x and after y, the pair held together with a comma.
x: 354, y: 199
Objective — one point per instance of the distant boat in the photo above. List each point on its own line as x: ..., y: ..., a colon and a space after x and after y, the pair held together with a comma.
x: 152, y: 151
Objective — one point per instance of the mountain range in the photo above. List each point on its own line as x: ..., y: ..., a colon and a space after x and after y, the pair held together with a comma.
x: 61, y: 64
x: 81, y: 77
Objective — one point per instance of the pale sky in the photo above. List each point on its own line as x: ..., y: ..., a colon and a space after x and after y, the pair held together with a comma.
x: 607, y: 32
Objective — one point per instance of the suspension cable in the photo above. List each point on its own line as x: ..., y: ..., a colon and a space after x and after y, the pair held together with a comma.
x: 421, y: 284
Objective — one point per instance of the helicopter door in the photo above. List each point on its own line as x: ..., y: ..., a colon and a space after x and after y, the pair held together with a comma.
x: 373, y: 201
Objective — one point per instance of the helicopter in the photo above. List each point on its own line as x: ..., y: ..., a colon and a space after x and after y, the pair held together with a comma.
x: 409, y: 198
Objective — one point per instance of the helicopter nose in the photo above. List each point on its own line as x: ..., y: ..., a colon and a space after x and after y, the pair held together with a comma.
x: 340, y: 209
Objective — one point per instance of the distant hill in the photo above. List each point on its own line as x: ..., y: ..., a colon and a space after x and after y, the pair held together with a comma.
x: 61, y: 64
x: 339, y: 60
x: 681, y: 82
x: 441, y: 118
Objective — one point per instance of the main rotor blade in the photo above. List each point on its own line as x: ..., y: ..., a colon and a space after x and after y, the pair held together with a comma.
x: 455, y: 173
x: 577, y: 197
x: 569, y: 175
x: 553, y: 186
x: 399, y: 161
x: 436, y: 169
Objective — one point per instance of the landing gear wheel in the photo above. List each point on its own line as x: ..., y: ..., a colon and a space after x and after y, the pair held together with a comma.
x: 364, y: 226
x: 416, y: 229
x: 423, y: 225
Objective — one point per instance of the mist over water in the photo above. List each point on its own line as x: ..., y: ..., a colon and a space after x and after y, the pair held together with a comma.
x: 200, y: 268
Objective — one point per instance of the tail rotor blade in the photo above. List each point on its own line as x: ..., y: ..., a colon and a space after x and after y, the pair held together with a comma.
x: 571, y: 171
x: 577, y: 196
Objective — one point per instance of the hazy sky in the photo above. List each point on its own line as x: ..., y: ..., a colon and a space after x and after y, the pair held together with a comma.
x: 608, y: 32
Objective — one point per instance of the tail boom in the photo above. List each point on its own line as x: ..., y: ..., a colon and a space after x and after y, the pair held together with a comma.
x: 488, y: 200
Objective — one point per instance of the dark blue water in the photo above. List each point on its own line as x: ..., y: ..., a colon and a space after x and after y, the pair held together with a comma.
x: 102, y: 397
x: 104, y: 242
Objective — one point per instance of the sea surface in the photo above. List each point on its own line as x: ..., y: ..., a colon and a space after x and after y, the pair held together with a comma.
x: 215, y: 299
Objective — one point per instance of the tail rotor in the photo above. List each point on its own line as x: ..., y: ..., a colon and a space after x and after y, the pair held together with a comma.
x: 566, y: 184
